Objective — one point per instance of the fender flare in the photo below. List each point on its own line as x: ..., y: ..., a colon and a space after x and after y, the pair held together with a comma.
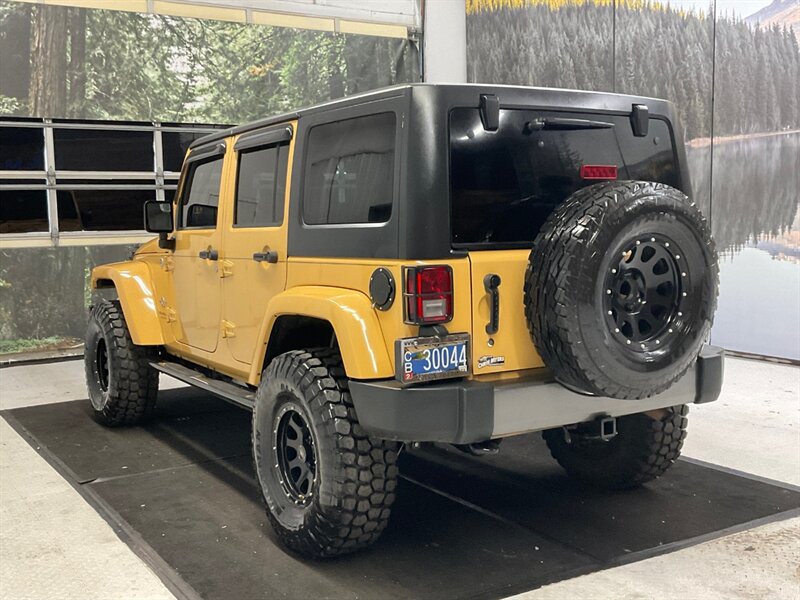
x: 137, y: 298
x: 354, y: 322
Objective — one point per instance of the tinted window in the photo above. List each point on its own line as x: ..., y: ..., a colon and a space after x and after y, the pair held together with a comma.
x: 505, y: 184
x: 103, y: 150
x: 174, y: 146
x: 23, y: 211
x: 260, y: 187
x: 201, y: 197
x: 21, y: 149
x: 102, y: 210
x: 350, y: 171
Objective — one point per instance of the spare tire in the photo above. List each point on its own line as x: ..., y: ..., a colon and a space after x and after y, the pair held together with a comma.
x: 621, y: 288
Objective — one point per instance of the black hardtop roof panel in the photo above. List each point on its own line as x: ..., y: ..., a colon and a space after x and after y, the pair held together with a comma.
x: 465, y: 94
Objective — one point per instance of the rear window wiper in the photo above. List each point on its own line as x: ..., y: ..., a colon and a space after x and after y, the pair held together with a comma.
x: 561, y: 123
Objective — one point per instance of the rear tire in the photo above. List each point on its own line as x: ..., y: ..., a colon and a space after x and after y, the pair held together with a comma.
x: 645, y: 447
x: 121, y: 383
x: 328, y: 487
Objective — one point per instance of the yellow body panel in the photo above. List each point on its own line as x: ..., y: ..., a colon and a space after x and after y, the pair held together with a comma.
x: 248, y: 286
x: 354, y: 274
x: 353, y: 319
x: 512, y: 341
x: 137, y: 296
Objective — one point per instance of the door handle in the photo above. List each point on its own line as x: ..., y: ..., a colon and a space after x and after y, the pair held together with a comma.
x: 491, y: 283
x: 209, y: 254
x: 270, y: 256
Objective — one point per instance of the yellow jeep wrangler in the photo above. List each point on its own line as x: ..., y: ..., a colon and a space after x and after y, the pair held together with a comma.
x: 426, y: 263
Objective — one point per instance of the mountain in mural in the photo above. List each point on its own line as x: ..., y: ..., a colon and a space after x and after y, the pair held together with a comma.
x: 785, y: 13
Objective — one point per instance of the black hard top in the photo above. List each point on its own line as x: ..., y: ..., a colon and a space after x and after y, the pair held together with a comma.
x: 464, y: 94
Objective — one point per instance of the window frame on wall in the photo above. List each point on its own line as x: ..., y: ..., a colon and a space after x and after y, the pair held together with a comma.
x: 53, y: 181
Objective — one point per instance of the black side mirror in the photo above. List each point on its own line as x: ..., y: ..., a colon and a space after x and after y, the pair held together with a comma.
x: 158, y: 216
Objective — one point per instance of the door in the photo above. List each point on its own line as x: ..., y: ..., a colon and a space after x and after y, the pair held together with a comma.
x: 198, y: 295
x: 255, y: 241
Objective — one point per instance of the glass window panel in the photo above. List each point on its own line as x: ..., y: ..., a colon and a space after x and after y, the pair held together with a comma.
x: 103, y: 150
x: 23, y: 211
x: 350, y: 171
x: 21, y: 149
x: 199, y: 205
x: 174, y: 145
x: 102, y: 210
x: 260, y: 187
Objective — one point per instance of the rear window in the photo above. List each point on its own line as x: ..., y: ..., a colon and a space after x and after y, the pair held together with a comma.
x: 505, y: 183
x: 350, y: 171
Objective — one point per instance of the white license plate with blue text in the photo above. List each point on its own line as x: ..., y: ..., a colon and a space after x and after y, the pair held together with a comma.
x: 432, y: 358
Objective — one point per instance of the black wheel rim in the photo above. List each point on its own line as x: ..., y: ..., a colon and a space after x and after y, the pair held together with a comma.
x: 295, y: 454
x: 644, y: 293
x: 102, y: 364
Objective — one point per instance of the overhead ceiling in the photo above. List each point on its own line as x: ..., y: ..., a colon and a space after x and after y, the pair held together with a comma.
x: 388, y: 18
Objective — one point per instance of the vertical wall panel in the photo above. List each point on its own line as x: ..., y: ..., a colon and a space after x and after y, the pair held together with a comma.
x: 756, y: 182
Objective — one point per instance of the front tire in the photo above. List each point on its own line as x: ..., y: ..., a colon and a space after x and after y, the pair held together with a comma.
x: 121, y: 383
x: 645, y: 447
x: 328, y: 487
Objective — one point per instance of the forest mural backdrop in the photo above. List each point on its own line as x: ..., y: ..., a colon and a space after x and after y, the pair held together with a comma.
x: 59, y: 62
x: 735, y: 80
x: 103, y: 64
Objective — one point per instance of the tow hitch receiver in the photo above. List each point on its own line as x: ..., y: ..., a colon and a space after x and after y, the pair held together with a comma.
x: 602, y: 429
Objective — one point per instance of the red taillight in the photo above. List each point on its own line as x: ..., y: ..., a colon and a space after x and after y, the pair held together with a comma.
x: 598, y: 172
x: 429, y: 295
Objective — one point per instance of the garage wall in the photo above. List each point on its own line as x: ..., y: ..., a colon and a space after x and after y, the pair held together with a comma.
x: 736, y: 84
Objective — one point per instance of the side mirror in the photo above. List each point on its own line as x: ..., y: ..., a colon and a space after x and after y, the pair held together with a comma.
x: 158, y: 216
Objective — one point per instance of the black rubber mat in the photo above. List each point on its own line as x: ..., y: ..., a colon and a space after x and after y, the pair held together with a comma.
x: 462, y: 527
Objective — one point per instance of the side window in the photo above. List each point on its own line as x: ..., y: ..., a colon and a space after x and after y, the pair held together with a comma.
x: 261, y: 186
x: 350, y: 171
x: 200, y: 199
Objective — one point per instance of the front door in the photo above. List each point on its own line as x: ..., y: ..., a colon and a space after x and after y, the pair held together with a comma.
x: 198, y: 286
x: 255, y: 240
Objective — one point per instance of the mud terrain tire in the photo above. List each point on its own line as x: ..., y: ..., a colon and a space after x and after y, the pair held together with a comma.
x: 121, y: 383
x: 336, y: 498
x: 621, y: 289
x: 646, y: 446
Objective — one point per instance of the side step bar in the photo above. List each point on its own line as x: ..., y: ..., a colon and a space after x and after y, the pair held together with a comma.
x: 234, y: 394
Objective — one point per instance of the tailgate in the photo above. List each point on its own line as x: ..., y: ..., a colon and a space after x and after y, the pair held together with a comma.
x: 510, y: 348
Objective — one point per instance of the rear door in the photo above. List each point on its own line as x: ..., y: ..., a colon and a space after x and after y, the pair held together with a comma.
x: 197, y: 241
x: 253, y: 267
x: 503, y: 186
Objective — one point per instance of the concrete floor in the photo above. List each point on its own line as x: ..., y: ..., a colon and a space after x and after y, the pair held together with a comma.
x: 54, y: 545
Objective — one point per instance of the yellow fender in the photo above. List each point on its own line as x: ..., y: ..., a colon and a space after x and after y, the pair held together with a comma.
x: 135, y: 291
x: 353, y: 319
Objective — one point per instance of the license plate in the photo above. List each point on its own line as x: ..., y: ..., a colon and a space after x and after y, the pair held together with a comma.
x: 432, y: 358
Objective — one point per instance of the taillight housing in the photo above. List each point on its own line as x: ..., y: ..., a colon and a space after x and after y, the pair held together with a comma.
x: 428, y: 294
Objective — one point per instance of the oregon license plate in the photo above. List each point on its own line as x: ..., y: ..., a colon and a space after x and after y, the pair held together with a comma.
x: 432, y: 358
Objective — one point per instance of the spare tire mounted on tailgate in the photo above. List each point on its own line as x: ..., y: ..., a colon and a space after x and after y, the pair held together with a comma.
x: 621, y: 288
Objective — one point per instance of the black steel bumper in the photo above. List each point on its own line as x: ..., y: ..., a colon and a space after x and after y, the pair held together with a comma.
x: 472, y: 411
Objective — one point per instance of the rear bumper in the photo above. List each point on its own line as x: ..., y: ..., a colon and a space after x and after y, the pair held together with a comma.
x: 471, y: 411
